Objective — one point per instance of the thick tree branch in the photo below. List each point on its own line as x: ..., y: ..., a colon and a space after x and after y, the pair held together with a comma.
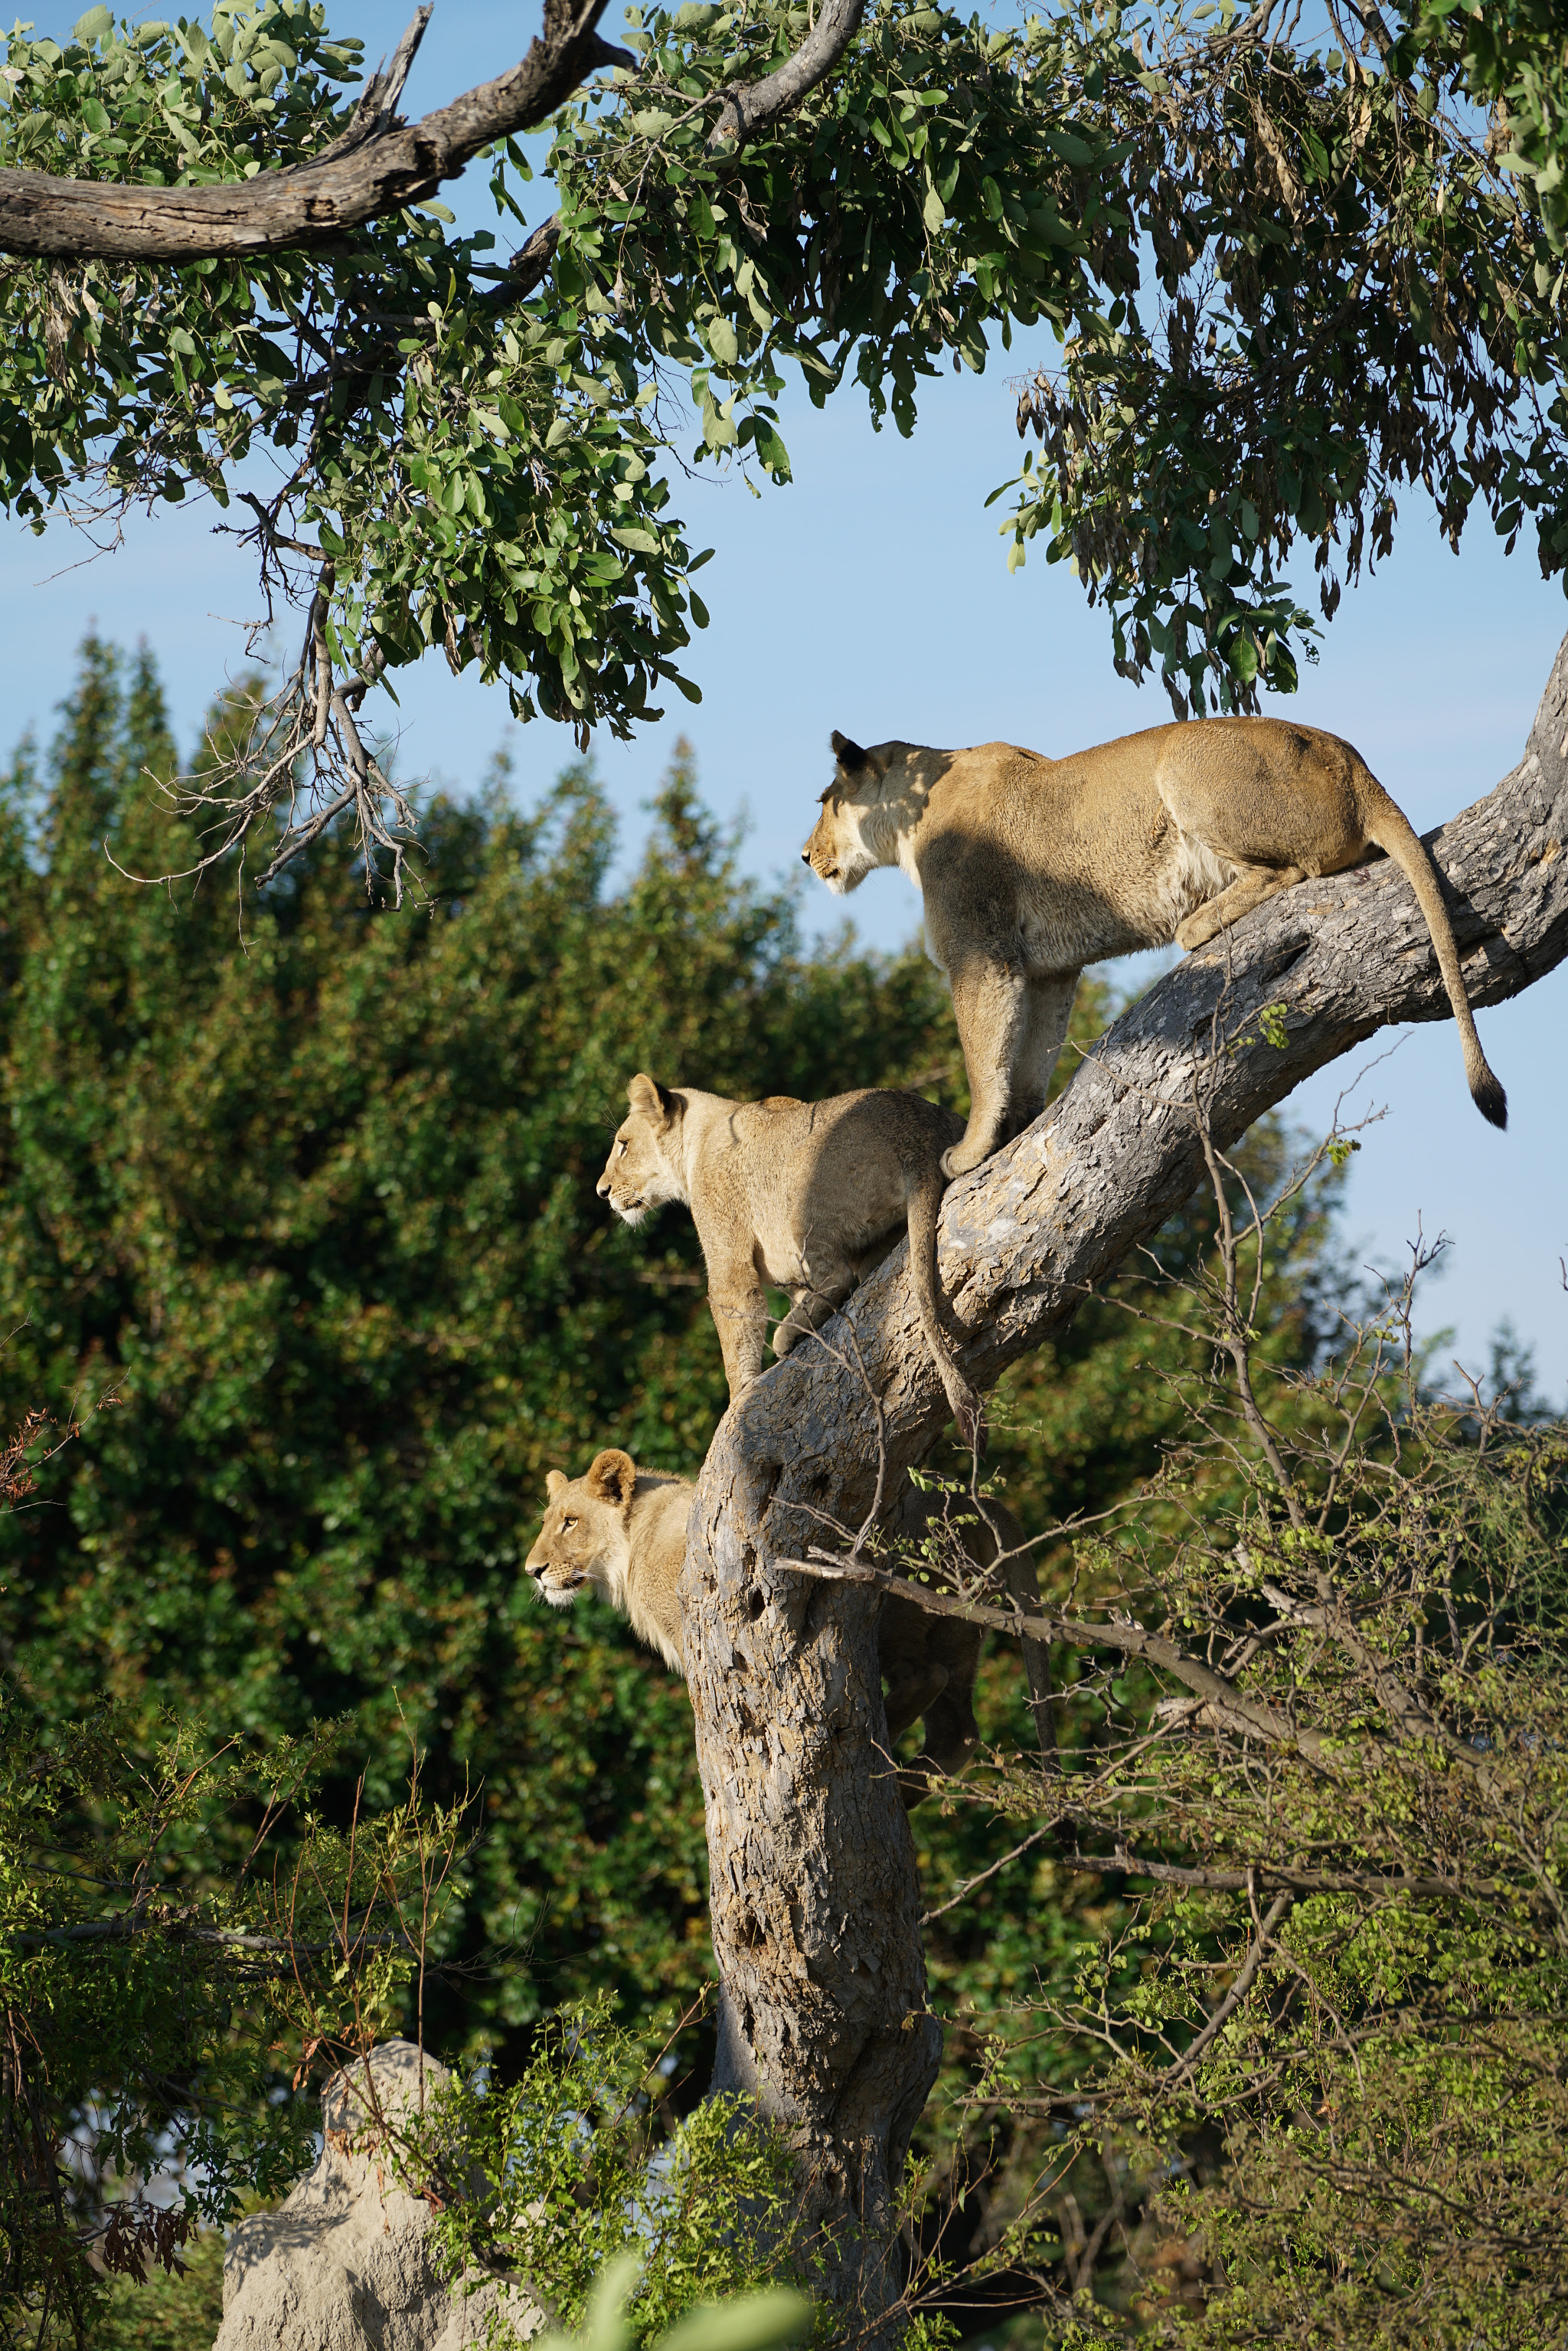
x: 815, y: 1899
x: 379, y: 164
x: 748, y: 110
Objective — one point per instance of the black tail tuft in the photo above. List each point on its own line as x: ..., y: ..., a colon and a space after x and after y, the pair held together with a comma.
x: 1490, y: 1099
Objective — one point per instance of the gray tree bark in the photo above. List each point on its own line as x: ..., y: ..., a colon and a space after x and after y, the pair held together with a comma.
x: 814, y: 1896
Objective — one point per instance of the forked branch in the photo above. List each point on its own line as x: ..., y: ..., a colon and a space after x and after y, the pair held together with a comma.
x: 379, y: 163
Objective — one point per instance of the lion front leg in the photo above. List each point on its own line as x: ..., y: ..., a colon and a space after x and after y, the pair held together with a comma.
x: 991, y: 1004
x: 738, y: 1305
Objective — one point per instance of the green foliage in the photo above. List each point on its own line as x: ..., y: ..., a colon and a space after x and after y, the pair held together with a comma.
x: 1387, y: 2101
x: 155, y: 2003
x: 1319, y: 1755
x: 764, y: 2321
x: 479, y: 479
x: 578, y: 2163
x: 1352, y: 290
x: 479, y: 467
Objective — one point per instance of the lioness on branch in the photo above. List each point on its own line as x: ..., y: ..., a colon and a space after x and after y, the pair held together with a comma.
x: 1031, y: 868
x: 825, y: 2018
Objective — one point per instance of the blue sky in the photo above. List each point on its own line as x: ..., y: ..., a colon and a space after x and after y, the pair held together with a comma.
x: 872, y: 595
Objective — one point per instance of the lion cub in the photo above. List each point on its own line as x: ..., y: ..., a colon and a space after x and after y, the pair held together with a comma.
x: 806, y: 1197
x: 623, y: 1531
x: 1031, y: 867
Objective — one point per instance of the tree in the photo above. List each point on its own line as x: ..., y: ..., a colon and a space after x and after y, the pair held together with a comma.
x: 1355, y: 290
x: 815, y: 1904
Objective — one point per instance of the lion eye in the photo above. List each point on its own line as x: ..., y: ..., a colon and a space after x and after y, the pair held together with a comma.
x: 621, y: 1151
x: 566, y: 1525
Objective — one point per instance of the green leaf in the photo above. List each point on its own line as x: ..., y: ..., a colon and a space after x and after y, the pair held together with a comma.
x: 1069, y: 146
x: 759, y: 2322
x: 92, y: 27
x: 722, y: 341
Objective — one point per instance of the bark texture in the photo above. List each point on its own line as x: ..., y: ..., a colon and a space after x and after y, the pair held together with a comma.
x: 814, y: 1894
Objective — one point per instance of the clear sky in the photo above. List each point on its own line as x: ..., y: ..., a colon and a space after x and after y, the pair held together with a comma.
x: 872, y: 595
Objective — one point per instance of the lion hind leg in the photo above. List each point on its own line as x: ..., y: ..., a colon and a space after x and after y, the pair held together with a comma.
x: 1253, y: 886
x: 816, y: 1301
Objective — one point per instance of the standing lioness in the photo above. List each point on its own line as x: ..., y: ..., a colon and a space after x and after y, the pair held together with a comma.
x: 800, y: 1197
x: 1031, y: 867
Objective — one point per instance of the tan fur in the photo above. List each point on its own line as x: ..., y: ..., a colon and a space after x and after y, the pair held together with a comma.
x: 624, y: 1531
x: 1031, y: 867
x: 805, y: 1198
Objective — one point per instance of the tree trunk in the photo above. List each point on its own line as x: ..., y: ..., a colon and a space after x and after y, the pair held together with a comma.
x: 814, y: 1894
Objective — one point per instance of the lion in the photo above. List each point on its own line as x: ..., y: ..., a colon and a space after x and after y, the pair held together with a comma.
x: 1031, y: 868
x: 806, y: 1197
x: 622, y: 1531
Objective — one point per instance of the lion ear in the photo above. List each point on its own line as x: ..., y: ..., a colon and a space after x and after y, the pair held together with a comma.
x: 852, y: 759
x: 554, y: 1483
x: 612, y: 1476
x: 647, y: 1095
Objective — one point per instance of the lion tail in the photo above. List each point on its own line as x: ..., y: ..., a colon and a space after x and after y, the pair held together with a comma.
x: 1390, y: 829
x: 923, y: 1201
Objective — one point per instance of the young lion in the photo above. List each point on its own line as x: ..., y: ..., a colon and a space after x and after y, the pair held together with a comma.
x: 623, y: 1531
x: 1031, y: 867
x: 801, y: 1196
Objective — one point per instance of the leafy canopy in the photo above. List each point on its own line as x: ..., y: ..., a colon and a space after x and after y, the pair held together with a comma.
x: 1285, y: 280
